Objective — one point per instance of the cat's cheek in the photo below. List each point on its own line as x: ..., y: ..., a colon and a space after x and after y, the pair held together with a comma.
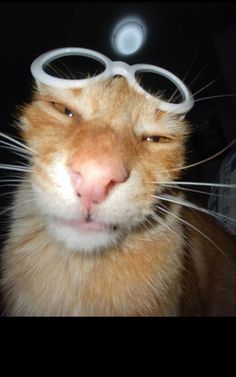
x: 129, y: 203
x: 50, y: 205
x: 54, y: 195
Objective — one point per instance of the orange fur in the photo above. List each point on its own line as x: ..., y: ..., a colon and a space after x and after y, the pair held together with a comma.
x: 150, y: 270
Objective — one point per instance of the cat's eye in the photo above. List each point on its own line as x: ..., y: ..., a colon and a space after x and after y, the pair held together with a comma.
x: 62, y: 109
x: 156, y: 139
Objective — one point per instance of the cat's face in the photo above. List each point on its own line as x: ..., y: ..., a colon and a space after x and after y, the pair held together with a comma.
x: 100, y: 153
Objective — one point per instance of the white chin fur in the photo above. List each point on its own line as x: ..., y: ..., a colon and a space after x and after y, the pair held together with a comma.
x: 83, y: 241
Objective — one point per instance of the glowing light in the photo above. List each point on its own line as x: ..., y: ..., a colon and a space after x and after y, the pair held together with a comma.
x: 128, y: 36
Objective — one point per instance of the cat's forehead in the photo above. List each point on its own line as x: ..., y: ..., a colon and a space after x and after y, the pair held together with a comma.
x: 112, y: 92
x: 105, y: 95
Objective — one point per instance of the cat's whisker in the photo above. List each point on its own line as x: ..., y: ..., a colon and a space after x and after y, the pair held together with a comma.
x: 62, y: 74
x: 15, y: 167
x: 14, y: 148
x: 15, y: 186
x: 172, y: 96
x: 198, y: 191
x: 13, y: 145
x: 58, y: 71
x: 188, y: 70
x: 22, y: 164
x: 24, y: 156
x: 14, y: 180
x: 191, y: 64
x: 18, y: 152
x: 24, y: 202
x: 205, y: 87
x: 197, y: 75
x: 202, y: 161
x: 8, y: 209
x: 148, y: 221
x: 16, y: 175
x: 145, y: 226
x: 215, y: 97
x: 71, y: 75
x: 224, y: 185
x: 192, y: 81
x: 188, y: 204
x: 28, y: 201
x: 160, y: 221
x: 8, y: 193
x: 194, y: 228
x: 170, y: 228
x: 23, y: 146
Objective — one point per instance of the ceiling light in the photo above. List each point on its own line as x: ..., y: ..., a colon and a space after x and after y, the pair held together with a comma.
x: 128, y: 36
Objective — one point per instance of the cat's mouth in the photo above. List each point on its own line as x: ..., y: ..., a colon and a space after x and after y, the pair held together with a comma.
x: 86, y: 225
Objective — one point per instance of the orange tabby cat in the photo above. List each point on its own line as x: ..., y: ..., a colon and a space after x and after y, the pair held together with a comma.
x: 93, y: 232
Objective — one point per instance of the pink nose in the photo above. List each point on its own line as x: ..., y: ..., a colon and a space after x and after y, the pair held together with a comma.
x: 93, y: 180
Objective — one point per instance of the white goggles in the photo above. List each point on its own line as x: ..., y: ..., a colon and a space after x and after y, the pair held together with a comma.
x: 75, y: 67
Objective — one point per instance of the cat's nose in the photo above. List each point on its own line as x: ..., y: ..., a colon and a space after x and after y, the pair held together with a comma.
x: 93, y: 179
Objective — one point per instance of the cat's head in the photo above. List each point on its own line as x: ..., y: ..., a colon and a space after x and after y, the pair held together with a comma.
x: 101, y: 153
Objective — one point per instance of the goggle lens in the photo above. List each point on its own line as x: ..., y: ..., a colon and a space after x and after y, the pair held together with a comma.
x: 156, y: 85
x: 74, y: 67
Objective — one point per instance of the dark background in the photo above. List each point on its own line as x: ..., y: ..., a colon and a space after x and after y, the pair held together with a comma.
x: 176, y: 33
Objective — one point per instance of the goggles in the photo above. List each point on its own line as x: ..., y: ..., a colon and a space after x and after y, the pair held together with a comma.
x: 76, y: 67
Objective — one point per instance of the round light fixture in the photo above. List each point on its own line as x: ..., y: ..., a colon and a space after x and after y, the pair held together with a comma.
x: 128, y: 36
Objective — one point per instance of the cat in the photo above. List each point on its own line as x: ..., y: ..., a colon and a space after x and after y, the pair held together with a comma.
x: 95, y: 228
